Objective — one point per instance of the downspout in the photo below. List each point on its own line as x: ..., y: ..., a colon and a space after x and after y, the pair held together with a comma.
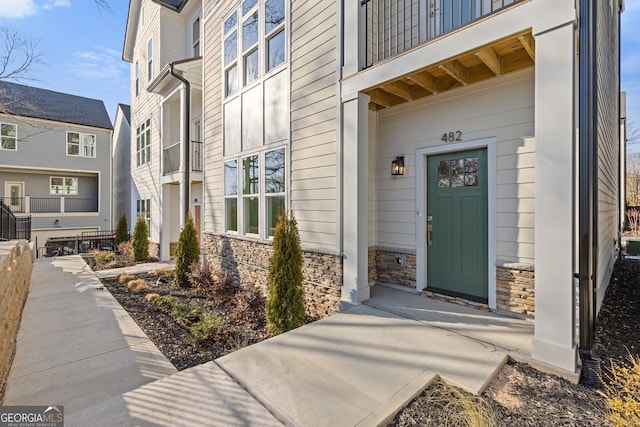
x: 340, y: 142
x: 186, y: 119
x: 586, y: 179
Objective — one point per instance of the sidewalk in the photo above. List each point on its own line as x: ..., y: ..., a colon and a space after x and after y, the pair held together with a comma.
x: 354, y: 368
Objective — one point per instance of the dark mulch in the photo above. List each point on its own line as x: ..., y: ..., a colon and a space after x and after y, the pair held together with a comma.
x: 173, y: 339
x: 524, y: 396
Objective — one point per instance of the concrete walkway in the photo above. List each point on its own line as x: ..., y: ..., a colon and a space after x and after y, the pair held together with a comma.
x: 352, y: 369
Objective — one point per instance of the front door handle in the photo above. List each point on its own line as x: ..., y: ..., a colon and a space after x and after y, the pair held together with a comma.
x: 429, y: 230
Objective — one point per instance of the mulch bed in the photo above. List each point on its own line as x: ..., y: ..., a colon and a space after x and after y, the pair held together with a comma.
x: 520, y: 395
x: 523, y: 396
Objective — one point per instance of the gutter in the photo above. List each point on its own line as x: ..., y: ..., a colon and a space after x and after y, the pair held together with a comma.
x: 587, y: 185
x: 186, y: 118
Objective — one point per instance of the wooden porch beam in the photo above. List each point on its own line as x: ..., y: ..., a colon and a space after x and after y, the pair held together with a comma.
x: 456, y: 70
x: 399, y: 89
x: 425, y: 80
x: 529, y: 44
x: 379, y: 97
x: 491, y: 59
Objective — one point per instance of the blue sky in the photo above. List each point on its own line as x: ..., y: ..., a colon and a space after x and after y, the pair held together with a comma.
x: 82, y: 48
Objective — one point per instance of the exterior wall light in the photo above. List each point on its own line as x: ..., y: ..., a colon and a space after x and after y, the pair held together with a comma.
x: 397, y: 166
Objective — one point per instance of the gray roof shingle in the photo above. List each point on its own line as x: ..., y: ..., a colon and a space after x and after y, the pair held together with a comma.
x: 126, y: 111
x: 46, y: 104
x: 172, y: 4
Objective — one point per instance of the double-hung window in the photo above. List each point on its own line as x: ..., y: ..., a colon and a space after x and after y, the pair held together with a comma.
x: 81, y: 144
x: 143, y: 143
x: 150, y: 60
x: 8, y: 136
x: 143, y: 210
x: 195, y: 31
x: 60, y: 185
x: 274, y: 33
x: 231, y: 54
x: 254, y: 209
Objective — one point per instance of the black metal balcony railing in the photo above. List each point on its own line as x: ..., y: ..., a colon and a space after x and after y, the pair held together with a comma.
x: 12, y: 227
x: 395, y: 26
x: 171, y: 158
x: 43, y: 205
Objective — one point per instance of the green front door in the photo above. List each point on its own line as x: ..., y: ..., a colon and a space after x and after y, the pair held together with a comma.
x: 457, y: 224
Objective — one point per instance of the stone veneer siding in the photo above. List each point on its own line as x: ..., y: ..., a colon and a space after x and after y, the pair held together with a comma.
x: 16, y: 264
x: 248, y: 261
x: 383, y: 268
x: 515, y: 289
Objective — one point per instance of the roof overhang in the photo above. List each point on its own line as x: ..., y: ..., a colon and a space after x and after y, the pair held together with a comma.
x: 189, y: 69
x: 131, y: 30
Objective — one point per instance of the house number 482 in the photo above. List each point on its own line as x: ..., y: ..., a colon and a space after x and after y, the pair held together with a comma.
x: 452, y: 136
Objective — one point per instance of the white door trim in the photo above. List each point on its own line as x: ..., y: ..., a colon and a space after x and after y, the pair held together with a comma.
x: 421, y: 208
x: 7, y: 195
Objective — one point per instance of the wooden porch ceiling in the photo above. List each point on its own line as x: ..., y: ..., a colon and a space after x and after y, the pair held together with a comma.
x: 500, y: 57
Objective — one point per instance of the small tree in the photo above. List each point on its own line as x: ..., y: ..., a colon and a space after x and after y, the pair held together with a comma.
x: 140, y: 240
x: 285, y: 302
x: 187, y: 252
x: 122, y: 230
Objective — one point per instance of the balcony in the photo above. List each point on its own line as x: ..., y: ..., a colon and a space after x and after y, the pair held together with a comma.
x: 50, y: 205
x: 395, y: 26
x: 171, y: 158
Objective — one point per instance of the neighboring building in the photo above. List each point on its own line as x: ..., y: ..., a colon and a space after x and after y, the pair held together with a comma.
x: 55, y: 160
x: 122, y: 184
x: 429, y: 146
x: 162, y: 43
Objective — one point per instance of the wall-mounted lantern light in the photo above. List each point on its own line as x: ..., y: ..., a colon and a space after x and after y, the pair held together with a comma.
x: 397, y: 166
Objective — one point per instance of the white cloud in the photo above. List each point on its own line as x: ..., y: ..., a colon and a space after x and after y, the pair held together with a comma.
x: 56, y: 3
x: 17, y: 8
x: 100, y: 64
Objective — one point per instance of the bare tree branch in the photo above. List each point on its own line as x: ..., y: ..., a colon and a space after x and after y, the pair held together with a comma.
x: 17, y: 54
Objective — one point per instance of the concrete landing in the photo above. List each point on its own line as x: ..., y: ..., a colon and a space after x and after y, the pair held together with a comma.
x: 76, y: 345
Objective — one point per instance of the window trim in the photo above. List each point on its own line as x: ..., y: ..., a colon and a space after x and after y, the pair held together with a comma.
x: 195, y: 42
x: 81, y: 144
x: 15, y: 137
x: 143, y: 208
x: 143, y: 143
x: 137, y: 77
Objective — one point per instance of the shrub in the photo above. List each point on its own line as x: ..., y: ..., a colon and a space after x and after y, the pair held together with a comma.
x: 285, y: 303
x: 187, y: 252
x: 208, y: 325
x: 152, y: 297
x: 122, y: 230
x: 125, y: 278
x: 125, y: 249
x: 219, y: 288
x: 133, y: 284
x: 622, y: 386
x: 165, y: 302
x: 103, y: 257
x: 140, y: 240
x: 248, y: 305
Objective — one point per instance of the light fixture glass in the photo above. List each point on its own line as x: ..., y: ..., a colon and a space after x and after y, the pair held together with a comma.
x: 397, y: 166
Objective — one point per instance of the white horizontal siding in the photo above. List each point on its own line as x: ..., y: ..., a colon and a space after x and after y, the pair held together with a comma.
x: 500, y: 108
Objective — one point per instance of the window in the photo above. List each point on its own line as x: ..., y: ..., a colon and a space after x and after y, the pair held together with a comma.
x: 262, y: 177
x: 63, y: 186
x: 196, y: 37
x: 137, y: 78
x: 81, y: 144
x: 458, y: 173
x: 143, y: 209
x: 143, y: 143
x: 150, y: 60
x: 256, y: 27
x: 251, y: 193
x: 274, y: 184
x: 231, y: 195
x: 8, y: 136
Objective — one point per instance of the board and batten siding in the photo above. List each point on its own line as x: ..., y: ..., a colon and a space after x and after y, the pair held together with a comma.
x: 314, y: 121
x: 500, y: 108
x: 608, y: 143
